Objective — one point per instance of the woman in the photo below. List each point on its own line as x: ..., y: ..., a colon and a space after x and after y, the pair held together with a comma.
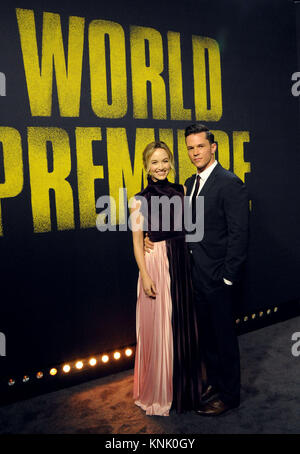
x: 167, y: 365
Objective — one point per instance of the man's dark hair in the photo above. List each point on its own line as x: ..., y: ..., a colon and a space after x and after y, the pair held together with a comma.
x: 198, y: 127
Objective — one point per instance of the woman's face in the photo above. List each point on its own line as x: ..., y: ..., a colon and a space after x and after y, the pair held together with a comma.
x: 159, y: 164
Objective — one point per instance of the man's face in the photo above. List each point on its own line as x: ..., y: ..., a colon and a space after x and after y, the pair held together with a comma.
x: 201, y: 152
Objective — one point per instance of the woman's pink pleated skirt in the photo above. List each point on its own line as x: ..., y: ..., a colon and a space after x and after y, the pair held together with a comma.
x: 153, y: 369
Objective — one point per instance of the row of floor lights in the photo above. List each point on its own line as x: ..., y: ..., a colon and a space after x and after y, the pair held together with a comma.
x: 253, y: 316
x: 117, y: 355
x: 66, y: 368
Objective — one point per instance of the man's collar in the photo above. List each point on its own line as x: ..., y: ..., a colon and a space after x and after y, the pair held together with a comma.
x: 205, y: 174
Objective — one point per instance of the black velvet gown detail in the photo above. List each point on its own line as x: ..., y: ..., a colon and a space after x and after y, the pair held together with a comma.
x: 187, y: 381
x: 187, y: 372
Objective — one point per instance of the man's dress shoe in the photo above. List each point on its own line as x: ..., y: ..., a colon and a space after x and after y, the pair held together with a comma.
x: 209, y: 393
x: 214, y: 407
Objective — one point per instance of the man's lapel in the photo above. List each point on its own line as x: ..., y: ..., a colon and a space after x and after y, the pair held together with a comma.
x: 190, y: 185
x: 208, y: 183
x: 210, y: 180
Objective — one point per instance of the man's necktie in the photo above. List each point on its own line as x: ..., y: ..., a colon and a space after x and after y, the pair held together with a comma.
x: 194, y: 198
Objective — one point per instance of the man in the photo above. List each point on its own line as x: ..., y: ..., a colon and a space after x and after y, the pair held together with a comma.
x: 216, y: 268
x: 217, y: 262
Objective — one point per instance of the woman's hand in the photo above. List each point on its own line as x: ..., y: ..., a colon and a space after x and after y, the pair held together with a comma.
x: 148, y: 245
x: 149, y: 286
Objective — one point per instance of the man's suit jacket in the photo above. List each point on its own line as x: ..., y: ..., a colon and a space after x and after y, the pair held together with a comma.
x: 222, y: 251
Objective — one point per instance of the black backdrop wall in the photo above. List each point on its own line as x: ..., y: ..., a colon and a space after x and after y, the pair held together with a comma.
x: 67, y: 289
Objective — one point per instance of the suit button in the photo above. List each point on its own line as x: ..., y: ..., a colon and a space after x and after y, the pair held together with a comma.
x: 191, y: 251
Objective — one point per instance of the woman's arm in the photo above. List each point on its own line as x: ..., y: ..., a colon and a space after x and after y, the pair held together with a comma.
x: 138, y: 248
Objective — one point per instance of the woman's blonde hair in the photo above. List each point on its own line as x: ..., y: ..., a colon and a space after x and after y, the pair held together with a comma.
x: 149, y: 150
